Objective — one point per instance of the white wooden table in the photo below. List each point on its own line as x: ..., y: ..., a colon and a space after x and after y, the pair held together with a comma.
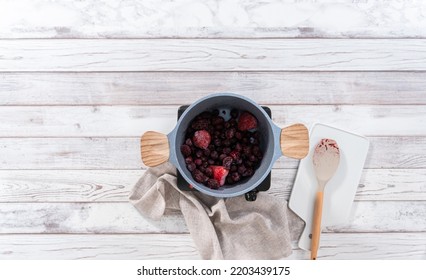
x: 80, y: 81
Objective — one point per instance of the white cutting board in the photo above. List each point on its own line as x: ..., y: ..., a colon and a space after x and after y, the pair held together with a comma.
x: 340, y: 191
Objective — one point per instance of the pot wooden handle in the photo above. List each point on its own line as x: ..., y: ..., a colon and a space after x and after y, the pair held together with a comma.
x: 154, y: 148
x: 295, y: 141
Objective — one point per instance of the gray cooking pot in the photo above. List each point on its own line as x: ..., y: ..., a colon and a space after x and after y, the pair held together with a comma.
x: 292, y: 141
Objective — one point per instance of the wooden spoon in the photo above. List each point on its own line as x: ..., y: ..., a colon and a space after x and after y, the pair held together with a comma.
x: 326, y: 159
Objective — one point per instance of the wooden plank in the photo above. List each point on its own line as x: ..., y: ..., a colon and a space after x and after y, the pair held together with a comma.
x: 127, y: 121
x: 148, y: 88
x: 123, y: 246
x: 105, y: 217
x: 124, y: 153
x: 108, y: 217
x: 115, y: 185
x: 213, y: 19
x: 213, y: 55
x: 180, y: 246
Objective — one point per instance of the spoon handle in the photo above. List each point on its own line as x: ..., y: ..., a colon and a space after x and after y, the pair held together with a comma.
x: 316, y: 226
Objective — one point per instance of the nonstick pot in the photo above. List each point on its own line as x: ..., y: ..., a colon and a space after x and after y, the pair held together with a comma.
x: 291, y: 141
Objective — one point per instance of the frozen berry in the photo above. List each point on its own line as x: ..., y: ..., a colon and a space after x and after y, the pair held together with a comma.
x: 219, y: 127
x: 217, y: 142
x: 186, y: 150
x: 256, y: 150
x: 227, y: 143
x: 191, y: 166
x: 234, y: 154
x: 188, y: 160
x: 200, y: 124
x: 222, y: 156
x: 235, y: 176
x: 208, y: 172
x: 198, y: 161
x: 207, y: 152
x: 242, y: 169
x: 248, y: 172
x: 233, y: 122
x: 213, y: 184
x: 252, y: 158
x: 219, y: 173
x: 226, y: 150
x: 214, y: 155
x: 199, y: 176
x: 188, y: 142
x: 238, y: 135
x: 229, y: 180
x: 217, y: 120
x: 247, y: 121
x: 247, y: 150
x: 199, y: 153
x: 227, y: 162
x: 230, y: 133
x: 201, y: 139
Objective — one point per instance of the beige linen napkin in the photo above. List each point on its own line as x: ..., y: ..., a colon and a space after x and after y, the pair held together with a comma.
x: 231, y: 228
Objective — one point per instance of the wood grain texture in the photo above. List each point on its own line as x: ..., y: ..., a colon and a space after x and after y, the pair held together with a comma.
x: 71, y: 246
x: 154, y: 148
x: 17, y: 186
x: 124, y: 153
x: 181, y: 246
x: 294, y: 141
x: 108, y: 217
x: 177, y: 88
x: 213, y: 55
x: 213, y: 19
x: 128, y: 121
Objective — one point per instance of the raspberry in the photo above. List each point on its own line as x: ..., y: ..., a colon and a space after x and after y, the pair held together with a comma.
x: 219, y: 174
x: 201, y: 139
x: 247, y: 121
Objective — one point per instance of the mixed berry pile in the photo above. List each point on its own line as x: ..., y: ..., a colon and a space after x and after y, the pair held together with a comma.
x: 218, y: 151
